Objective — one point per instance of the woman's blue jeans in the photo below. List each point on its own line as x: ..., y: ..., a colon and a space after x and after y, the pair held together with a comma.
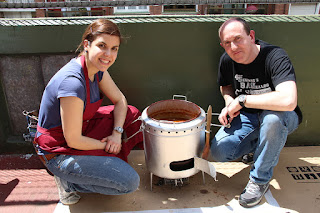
x: 94, y: 174
x: 263, y: 134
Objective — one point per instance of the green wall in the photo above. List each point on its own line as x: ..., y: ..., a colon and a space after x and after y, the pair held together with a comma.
x: 158, y: 60
x: 300, y: 42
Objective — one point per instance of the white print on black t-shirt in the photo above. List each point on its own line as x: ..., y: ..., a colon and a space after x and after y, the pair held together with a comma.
x: 250, y: 86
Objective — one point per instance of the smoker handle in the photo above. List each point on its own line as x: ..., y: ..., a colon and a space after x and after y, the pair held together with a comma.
x: 180, y: 96
x: 140, y: 129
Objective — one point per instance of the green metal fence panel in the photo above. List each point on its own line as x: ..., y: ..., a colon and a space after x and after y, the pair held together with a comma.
x: 167, y: 55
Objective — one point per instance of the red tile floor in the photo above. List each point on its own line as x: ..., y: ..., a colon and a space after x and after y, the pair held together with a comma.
x: 25, y: 185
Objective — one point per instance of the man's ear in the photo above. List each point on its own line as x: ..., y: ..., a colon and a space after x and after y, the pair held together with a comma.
x: 252, y: 36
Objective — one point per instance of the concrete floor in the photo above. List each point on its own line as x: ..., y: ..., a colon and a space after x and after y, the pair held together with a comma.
x: 26, y: 186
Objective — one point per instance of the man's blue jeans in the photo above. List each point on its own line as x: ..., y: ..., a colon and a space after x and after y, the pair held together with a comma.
x: 94, y: 174
x: 263, y: 133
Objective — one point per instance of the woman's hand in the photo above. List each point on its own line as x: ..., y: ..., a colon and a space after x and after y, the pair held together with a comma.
x: 113, y: 145
x: 110, y: 89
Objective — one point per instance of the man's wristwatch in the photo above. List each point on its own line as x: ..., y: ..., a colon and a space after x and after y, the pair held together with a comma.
x: 242, y: 100
x: 119, y: 129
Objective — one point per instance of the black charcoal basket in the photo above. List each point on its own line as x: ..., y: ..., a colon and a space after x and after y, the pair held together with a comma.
x: 32, y: 120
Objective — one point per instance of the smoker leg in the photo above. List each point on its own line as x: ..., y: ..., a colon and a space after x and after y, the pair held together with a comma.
x: 151, y: 181
x: 203, y: 178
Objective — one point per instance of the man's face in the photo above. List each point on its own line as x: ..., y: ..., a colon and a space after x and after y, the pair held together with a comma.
x: 238, y: 45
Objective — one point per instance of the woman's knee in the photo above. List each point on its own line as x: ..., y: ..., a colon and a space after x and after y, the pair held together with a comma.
x: 132, y: 183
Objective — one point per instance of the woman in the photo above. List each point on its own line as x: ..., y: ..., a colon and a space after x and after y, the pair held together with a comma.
x: 79, y: 141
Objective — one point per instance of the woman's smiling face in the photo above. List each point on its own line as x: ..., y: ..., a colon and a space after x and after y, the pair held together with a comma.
x: 102, y: 52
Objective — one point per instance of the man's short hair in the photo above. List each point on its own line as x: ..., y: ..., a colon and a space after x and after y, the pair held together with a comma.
x: 245, y: 25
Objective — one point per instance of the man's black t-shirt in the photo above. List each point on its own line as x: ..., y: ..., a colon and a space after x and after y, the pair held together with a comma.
x: 271, y: 67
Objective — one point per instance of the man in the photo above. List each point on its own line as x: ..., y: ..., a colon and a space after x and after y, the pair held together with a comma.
x: 257, y: 82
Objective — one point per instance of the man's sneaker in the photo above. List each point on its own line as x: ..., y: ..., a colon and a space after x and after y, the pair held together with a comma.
x: 248, y: 159
x: 66, y: 198
x: 252, y: 194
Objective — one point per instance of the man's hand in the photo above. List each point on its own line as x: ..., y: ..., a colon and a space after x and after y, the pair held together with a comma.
x: 229, y: 112
x: 223, y: 117
x: 234, y: 108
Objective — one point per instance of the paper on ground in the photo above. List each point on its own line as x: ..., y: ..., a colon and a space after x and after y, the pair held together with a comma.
x: 205, y: 166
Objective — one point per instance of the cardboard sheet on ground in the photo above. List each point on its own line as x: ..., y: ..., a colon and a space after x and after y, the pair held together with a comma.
x: 295, y: 187
x: 205, y: 166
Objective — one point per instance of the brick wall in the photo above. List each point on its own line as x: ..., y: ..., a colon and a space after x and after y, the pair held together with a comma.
x: 40, y: 13
x: 155, y: 10
x: 281, y: 9
x: 203, y: 9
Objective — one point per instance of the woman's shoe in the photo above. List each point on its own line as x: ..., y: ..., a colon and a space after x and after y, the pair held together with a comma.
x: 66, y: 198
